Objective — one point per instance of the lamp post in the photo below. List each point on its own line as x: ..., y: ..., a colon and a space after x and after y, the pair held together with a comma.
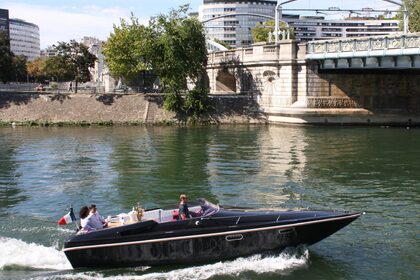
x: 277, y: 19
x: 405, y: 13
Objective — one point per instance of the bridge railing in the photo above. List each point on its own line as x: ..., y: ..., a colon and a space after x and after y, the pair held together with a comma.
x: 243, y: 55
x: 404, y: 44
x: 257, y: 53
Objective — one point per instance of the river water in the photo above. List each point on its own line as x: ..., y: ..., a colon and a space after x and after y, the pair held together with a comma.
x: 377, y: 170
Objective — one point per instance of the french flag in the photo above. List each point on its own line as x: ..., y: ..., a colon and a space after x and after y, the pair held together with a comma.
x: 68, y: 218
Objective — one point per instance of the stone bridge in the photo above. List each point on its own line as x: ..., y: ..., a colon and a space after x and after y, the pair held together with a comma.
x: 396, y: 52
x: 363, y: 81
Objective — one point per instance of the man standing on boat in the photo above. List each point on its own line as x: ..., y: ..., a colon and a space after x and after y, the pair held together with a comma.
x: 184, y: 213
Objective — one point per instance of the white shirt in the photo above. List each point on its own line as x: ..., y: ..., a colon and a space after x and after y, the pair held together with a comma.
x: 87, y: 224
x: 96, y: 220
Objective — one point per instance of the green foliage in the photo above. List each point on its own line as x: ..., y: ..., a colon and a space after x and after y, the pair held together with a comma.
x: 223, y: 43
x: 6, y: 59
x: 12, y: 68
x: 413, y: 8
x: 173, y: 46
x: 173, y: 102
x: 126, y: 49
x: 197, y: 102
x: 54, y: 69
x: 261, y: 32
x: 54, y: 86
x: 20, y: 72
x: 36, y: 70
x: 178, y: 48
x: 75, y: 59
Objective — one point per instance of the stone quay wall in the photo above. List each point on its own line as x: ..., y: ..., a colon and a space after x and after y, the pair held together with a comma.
x: 45, y: 108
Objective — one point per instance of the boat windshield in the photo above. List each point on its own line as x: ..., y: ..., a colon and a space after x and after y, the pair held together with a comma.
x: 207, y: 207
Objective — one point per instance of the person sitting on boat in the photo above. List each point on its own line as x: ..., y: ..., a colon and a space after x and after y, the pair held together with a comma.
x: 86, y: 220
x: 98, y: 221
x: 184, y: 213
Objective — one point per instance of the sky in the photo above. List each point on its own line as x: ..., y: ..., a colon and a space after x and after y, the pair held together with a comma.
x: 65, y: 20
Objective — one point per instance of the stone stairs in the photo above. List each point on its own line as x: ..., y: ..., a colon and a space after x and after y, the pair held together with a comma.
x: 151, y: 110
x: 220, y: 87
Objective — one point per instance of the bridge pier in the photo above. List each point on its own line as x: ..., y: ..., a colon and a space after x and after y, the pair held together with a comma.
x: 294, y: 82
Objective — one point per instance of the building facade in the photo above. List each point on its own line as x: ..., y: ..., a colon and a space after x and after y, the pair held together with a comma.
x: 231, y: 22
x: 233, y: 29
x: 309, y: 28
x: 48, y: 51
x: 24, y: 38
x: 4, y: 22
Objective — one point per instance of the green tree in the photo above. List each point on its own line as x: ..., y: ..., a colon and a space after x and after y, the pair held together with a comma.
x: 77, y: 59
x: 173, y: 46
x: 55, y: 69
x: 413, y: 8
x: 179, y: 53
x: 36, y: 69
x: 6, y: 59
x: 20, y: 72
x: 126, y: 49
x: 261, y: 32
x: 223, y: 43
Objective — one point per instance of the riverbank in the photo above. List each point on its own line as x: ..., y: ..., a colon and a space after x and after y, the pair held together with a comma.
x: 85, y: 109
x: 45, y: 109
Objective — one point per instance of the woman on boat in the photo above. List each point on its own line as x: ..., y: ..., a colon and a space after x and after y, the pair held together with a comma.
x: 184, y: 213
x: 86, y: 220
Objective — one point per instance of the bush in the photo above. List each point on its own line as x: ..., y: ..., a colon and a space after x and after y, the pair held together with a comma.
x: 53, y: 86
x: 197, y: 102
x: 173, y: 102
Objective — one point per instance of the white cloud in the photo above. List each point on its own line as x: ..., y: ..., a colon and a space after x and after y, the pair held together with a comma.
x: 65, y: 23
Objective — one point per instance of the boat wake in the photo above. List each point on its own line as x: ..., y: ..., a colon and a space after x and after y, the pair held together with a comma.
x: 281, y: 263
x: 259, y: 264
x: 18, y: 255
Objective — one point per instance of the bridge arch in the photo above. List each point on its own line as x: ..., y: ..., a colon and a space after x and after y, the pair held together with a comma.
x: 225, y: 81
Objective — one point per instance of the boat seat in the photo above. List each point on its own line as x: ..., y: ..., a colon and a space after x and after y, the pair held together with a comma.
x: 175, y: 215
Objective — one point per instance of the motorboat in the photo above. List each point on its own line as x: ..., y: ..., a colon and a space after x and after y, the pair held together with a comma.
x: 158, y: 236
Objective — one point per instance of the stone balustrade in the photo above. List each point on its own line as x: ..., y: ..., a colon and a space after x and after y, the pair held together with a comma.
x: 258, y: 53
x: 403, y: 44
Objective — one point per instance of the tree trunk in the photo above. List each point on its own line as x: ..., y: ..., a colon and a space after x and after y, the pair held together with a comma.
x: 75, y: 89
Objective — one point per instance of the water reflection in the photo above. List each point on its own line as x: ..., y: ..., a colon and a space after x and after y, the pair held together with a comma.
x: 42, y: 170
x: 260, y: 164
x: 156, y: 164
x: 283, y: 160
x: 10, y: 194
x: 60, y: 169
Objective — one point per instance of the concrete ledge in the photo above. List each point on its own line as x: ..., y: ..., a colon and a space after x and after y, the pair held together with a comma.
x: 342, y: 117
x: 318, y: 112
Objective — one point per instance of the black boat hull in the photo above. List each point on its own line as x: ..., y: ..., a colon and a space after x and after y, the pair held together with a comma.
x: 232, y: 242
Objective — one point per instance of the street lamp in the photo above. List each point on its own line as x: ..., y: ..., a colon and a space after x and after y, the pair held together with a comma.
x: 405, y: 13
x: 277, y: 18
